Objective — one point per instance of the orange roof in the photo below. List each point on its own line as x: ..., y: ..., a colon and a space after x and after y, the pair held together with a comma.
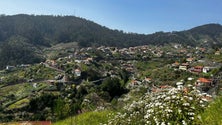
x: 204, y: 80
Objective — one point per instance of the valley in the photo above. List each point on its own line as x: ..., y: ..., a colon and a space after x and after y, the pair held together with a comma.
x: 69, y: 70
x: 103, y: 78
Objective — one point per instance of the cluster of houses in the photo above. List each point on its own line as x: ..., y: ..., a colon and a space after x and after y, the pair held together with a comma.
x: 125, y: 58
x: 194, y: 69
x: 194, y: 63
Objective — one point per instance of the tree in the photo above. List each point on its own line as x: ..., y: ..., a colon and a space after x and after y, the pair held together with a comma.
x: 61, y: 108
x: 112, y: 86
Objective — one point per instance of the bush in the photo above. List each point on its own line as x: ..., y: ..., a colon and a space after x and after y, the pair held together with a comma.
x: 166, y: 106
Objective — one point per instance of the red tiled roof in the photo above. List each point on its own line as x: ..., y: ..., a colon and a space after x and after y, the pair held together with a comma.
x: 204, y: 80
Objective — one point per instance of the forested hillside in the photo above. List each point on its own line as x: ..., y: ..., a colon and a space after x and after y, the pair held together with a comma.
x: 32, y: 33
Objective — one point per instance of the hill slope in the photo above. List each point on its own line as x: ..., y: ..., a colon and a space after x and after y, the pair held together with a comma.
x: 38, y: 32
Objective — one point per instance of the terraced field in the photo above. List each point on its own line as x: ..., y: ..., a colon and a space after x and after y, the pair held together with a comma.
x: 18, y: 95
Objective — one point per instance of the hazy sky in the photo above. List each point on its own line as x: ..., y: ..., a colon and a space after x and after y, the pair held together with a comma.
x: 141, y: 16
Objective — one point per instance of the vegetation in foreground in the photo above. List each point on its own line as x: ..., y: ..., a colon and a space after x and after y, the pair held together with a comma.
x: 168, y: 107
x: 212, y: 115
x: 88, y: 118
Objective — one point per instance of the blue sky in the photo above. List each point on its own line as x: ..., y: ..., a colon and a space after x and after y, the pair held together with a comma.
x: 140, y: 16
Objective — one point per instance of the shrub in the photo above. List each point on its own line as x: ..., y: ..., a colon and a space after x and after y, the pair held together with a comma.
x: 166, y: 106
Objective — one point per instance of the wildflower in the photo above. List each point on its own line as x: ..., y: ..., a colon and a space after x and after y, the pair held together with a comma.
x: 190, y: 98
x: 189, y: 85
x: 147, y: 116
x: 186, y: 104
x: 173, y: 97
x: 169, y: 110
x: 201, y: 101
x: 163, y: 123
x: 160, y: 107
x: 192, y: 118
x: 191, y: 113
x: 184, y: 122
x: 167, y: 98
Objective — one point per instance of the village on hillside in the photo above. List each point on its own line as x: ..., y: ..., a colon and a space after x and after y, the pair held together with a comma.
x: 84, y: 75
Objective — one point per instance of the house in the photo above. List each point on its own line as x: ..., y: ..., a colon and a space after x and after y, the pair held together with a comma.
x: 197, y: 69
x: 190, y: 59
x: 203, y: 82
x: 10, y: 68
x: 77, y: 72
x: 176, y: 64
x: 184, y: 66
x: 206, y: 69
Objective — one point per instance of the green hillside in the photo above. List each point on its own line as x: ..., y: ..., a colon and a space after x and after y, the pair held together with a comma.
x: 33, y: 33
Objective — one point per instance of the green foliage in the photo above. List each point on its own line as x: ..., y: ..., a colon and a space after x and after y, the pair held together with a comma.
x: 45, y: 31
x: 17, y: 51
x: 212, y: 115
x: 81, y: 91
x: 42, y: 106
x: 39, y: 72
x: 113, y: 87
x: 12, y: 79
x: 124, y: 76
x: 90, y: 74
x: 88, y: 118
x: 19, y: 104
x: 13, y: 93
x: 61, y: 108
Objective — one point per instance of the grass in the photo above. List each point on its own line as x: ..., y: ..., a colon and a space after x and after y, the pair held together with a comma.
x: 88, y: 118
x: 19, y: 103
x: 212, y: 115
